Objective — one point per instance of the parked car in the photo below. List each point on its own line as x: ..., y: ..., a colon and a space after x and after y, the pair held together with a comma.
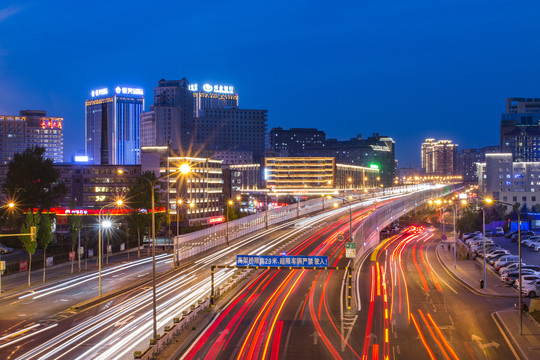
x: 523, y: 233
x: 511, y: 277
x: 528, y: 279
x: 497, y: 254
x: 505, y: 260
x: 489, y: 232
x: 510, y: 268
x: 5, y: 249
x: 499, y: 231
x: 531, y: 290
x: 491, y: 247
x: 528, y: 240
x: 537, y: 247
x: 532, y: 242
x: 509, y: 234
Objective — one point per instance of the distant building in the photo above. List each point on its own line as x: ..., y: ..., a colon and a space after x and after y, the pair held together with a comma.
x: 170, y: 120
x: 209, y: 96
x: 316, y: 175
x: 233, y: 157
x: 506, y: 180
x: 201, y: 190
x: 376, y: 151
x: 520, y: 129
x: 439, y: 157
x: 112, y: 119
x: 31, y: 128
x: 467, y: 159
x: 225, y: 129
x: 294, y: 141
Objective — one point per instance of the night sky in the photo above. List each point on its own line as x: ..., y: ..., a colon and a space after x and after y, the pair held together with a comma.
x: 407, y: 69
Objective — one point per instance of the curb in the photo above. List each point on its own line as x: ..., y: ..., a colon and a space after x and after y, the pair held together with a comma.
x: 505, y: 333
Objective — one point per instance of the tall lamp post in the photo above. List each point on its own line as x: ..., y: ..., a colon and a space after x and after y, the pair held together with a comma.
x: 10, y: 206
x: 118, y: 202
x: 350, y: 216
x: 489, y: 201
x: 229, y: 203
x: 183, y: 169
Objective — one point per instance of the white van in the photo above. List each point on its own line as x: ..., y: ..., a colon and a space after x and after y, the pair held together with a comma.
x: 499, y: 231
x: 505, y: 260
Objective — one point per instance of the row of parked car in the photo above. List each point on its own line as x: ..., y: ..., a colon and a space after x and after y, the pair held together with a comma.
x: 505, y: 263
x: 528, y: 239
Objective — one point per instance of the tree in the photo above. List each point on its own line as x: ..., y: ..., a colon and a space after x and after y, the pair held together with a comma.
x: 140, y: 199
x: 29, y: 244
x: 31, y: 180
x: 74, y: 222
x: 46, y: 237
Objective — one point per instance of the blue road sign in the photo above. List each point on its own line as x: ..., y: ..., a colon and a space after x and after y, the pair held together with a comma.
x: 276, y: 260
x: 443, y: 236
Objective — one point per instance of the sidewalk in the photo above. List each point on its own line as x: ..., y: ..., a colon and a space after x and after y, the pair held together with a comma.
x: 470, y: 272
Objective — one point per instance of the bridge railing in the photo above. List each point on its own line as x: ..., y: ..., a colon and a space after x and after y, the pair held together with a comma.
x: 200, y: 241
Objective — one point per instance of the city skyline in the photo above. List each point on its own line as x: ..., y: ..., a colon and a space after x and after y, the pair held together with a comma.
x: 346, y: 66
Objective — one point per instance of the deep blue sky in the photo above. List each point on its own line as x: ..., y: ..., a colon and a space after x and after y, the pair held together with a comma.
x: 408, y: 69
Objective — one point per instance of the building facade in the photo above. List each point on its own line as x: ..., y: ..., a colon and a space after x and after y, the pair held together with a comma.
x: 520, y: 129
x: 31, y: 128
x: 439, y: 157
x: 467, y: 159
x: 504, y: 179
x: 209, y: 96
x: 225, y: 129
x: 316, y: 175
x: 200, y: 190
x: 376, y: 150
x: 294, y: 141
x: 112, y: 119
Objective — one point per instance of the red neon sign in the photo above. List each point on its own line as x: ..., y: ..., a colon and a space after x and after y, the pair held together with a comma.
x: 216, y: 219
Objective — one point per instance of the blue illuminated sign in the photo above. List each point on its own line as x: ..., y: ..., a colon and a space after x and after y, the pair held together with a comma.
x: 276, y: 260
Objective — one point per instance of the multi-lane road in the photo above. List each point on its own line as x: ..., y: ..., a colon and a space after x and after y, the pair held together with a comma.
x: 405, y: 305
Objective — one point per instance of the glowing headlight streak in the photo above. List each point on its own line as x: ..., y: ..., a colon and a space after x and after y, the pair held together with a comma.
x: 423, y: 339
x: 434, y: 337
x: 441, y: 336
x: 27, y: 336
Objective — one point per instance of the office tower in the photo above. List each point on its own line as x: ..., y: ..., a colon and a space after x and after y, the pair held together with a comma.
x: 235, y: 129
x: 467, y: 159
x: 520, y: 129
x: 170, y: 120
x: 30, y: 129
x: 439, y: 157
x: 294, y: 141
x: 112, y: 125
x: 210, y: 96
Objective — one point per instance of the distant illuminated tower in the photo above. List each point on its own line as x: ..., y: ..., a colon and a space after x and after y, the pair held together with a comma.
x: 439, y: 157
x: 112, y: 126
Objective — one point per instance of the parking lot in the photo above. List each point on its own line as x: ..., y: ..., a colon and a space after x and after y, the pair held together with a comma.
x: 501, y: 255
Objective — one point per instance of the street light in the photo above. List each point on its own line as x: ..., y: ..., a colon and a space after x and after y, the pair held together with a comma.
x: 118, y: 202
x: 183, y: 169
x: 229, y: 203
x: 489, y: 201
x: 350, y: 216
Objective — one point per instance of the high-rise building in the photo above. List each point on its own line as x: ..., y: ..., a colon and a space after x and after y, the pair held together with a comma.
x: 467, y: 159
x: 520, y: 129
x: 112, y: 120
x: 30, y: 129
x: 439, y: 157
x: 232, y: 129
x: 210, y: 96
x: 294, y: 141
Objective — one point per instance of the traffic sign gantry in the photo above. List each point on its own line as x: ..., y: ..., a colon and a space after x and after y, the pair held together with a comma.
x: 287, y: 261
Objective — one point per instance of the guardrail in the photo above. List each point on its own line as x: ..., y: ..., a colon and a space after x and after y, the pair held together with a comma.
x: 188, y: 245
x: 367, y: 235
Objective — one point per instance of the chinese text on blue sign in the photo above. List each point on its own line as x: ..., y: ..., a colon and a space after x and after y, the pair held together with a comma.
x: 289, y: 261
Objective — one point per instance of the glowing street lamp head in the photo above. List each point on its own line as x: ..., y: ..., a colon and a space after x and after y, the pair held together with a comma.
x: 230, y: 202
x: 11, y: 205
x: 488, y: 200
x: 464, y: 202
x: 191, y: 204
x: 180, y: 201
x: 185, y: 168
x: 430, y: 202
x: 238, y: 197
x: 349, y: 179
x: 119, y: 202
x: 120, y: 171
x: 106, y: 223
x: 438, y: 201
x: 336, y: 205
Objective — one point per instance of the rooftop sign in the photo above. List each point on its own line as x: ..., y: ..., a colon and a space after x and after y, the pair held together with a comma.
x: 219, y: 89
x: 119, y: 90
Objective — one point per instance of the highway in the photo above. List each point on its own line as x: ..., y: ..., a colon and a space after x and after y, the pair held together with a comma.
x: 409, y: 307
x: 120, y: 325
